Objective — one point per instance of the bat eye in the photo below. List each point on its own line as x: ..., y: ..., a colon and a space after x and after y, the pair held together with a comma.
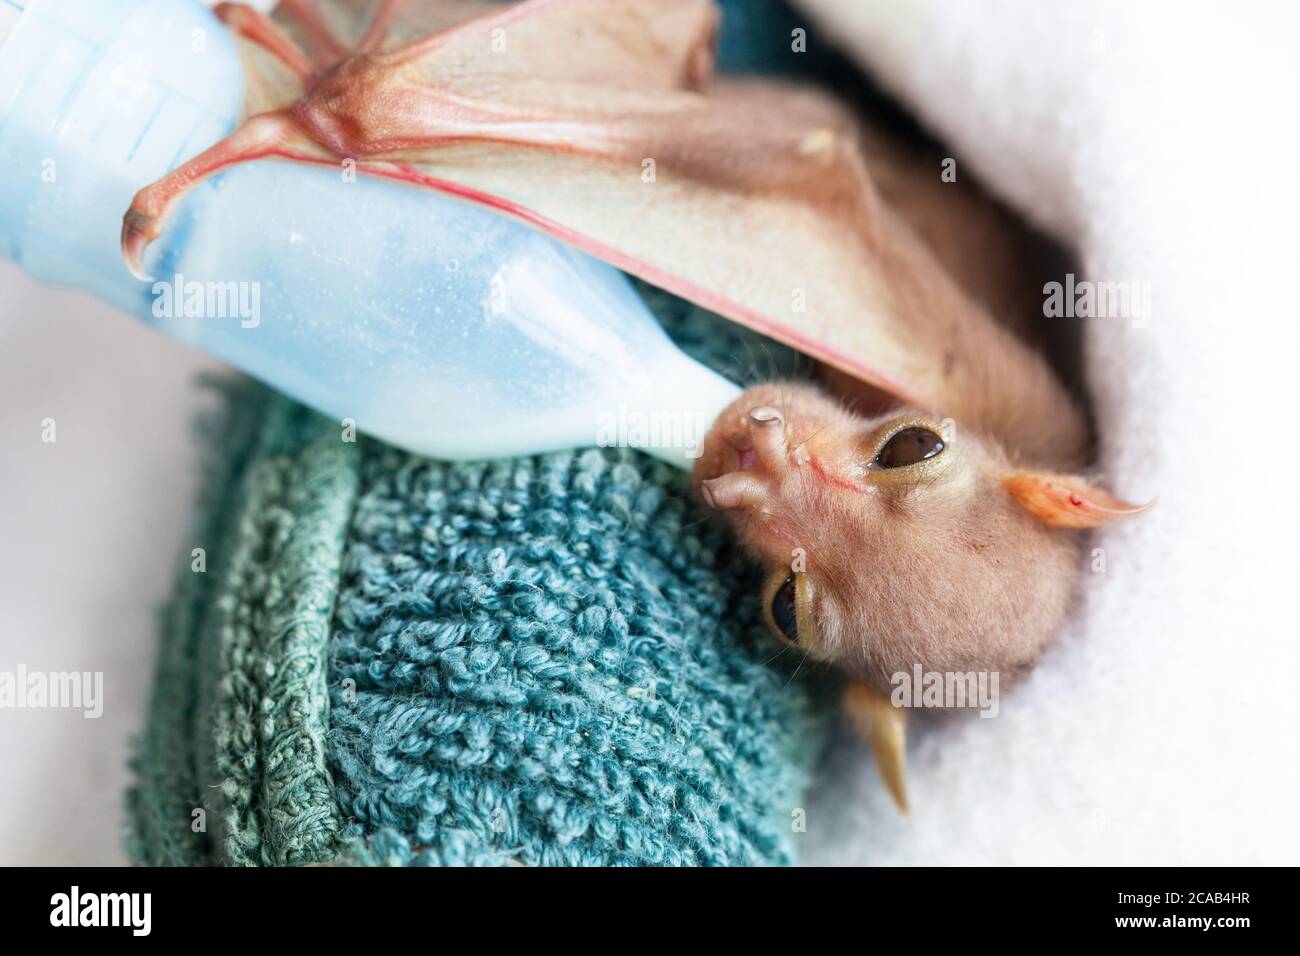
x: 784, y: 616
x: 909, y: 446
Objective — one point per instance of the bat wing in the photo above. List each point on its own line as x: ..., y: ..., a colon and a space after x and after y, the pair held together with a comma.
x: 750, y: 201
x: 597, y: 122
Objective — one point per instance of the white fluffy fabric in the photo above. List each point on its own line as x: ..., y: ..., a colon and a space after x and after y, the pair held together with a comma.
x: 1157, y: 140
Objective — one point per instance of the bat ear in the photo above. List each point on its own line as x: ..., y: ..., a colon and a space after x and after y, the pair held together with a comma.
x: 1067, y: 501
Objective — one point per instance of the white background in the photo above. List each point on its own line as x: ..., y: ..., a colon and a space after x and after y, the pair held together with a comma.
x: 90, y: 543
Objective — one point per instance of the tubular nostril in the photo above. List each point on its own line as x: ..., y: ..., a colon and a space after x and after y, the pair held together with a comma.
x: 706, y: 492
x: 736, y: 489
x: 767, y: 431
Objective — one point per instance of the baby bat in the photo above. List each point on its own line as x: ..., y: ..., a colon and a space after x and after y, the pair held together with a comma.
x: 940, y: 530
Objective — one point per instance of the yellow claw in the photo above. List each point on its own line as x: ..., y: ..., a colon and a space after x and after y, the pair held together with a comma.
x: 136, y: 227
x: 884, y: 727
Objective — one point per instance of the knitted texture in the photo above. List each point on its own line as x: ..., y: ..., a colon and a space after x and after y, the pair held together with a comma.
x: 548, y: 660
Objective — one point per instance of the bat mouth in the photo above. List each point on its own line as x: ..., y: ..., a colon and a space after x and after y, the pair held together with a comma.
x: 724, y: 453
x: 738, y: 455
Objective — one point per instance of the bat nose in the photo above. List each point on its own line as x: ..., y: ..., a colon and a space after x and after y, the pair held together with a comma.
x: 736, y: 489
x: 767, y: 432
x: 706, y: 492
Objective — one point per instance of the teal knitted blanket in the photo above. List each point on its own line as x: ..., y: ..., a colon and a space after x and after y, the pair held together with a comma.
x: 380, y: 659
x: 387, y: 659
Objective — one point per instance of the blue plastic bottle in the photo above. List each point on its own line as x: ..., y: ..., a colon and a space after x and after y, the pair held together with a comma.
x: 431, y: 323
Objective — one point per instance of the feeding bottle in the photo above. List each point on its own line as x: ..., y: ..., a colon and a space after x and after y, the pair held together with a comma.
x: 431, y: 323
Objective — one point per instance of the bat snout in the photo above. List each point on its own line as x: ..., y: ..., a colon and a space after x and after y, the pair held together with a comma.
x: 760, y: 462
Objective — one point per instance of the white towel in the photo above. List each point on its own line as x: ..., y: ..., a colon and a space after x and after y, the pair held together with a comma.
x: 1158, y: 140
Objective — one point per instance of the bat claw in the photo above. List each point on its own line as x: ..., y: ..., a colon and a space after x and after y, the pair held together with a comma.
x: 884, y: 727
x: 136, y: 236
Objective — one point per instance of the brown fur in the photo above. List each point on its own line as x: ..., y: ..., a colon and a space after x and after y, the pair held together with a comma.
x: 937, y: 566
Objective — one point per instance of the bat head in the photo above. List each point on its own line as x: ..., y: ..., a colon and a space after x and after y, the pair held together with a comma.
x: 896, y: 540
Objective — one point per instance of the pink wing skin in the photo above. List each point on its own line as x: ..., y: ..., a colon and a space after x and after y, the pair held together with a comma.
x: 596, y: 121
